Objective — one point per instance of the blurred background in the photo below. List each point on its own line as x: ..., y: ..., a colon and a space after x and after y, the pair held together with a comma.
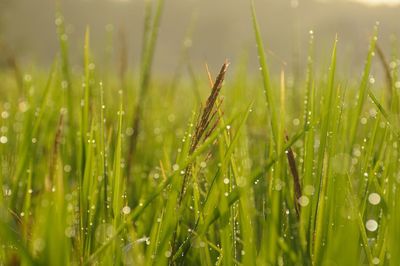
x: 212, y: 30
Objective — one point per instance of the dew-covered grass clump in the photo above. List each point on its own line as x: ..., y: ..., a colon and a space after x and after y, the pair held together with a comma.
x: 218, y: 168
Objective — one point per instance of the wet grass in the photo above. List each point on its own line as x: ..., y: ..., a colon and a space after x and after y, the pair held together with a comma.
x: 100, y: 170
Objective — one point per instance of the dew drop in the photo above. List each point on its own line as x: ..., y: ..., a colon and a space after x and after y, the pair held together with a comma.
x: 175, y: 167
x: 167, y: 253
x: 129, y: 131
x: 5, y: 114
x: 67, y: 168
x: 58, y: 21
x: 374, y: 198
x: 3, y: 139
x: 371, y: 225
x: 363, y: 121
x: 126, y: 210
x: 376, y: 261
x: 303, y: 201
x: 372, y: 80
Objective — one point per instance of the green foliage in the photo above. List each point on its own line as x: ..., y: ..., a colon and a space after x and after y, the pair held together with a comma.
x: 67, y: 197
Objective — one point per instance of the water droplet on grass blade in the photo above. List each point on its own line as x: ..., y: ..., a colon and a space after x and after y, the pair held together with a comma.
x: 59, y: 21
x: 175, y: 167
x: 167, y: 253
x: 375, y: 261
x: 64, y: 84
x: 3, y: 139
x: 126, y: 210
x: 5, y: 114
x: 303, y: 201
x: 363, y: 121
x: 129, y: 131
x: 374, y: 198
x: 372, y: 80
x: 371, y: 225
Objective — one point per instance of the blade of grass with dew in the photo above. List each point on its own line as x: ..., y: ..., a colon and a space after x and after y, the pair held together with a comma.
x: 240, y: 213
x: 394, y: 104
x: 274, y: 198
x: 265, y: 74
x: 362, y: 93
x: 321, y: 176
x: 86, y: 88
x: 117, y: 178
x: 27, y: 141
x: 308, y: 155
x: 338, y: 226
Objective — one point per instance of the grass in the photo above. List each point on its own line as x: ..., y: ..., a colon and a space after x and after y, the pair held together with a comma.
x: 252, y: 174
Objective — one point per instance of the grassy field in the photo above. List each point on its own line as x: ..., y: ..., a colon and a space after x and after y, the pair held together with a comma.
x: 108, y: 167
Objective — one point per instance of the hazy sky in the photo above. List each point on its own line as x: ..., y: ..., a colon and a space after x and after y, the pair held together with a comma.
x: 367, y: 2
x: 221, y: 29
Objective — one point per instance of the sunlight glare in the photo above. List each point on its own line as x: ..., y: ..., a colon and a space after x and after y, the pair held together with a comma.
x: 378, y: 2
